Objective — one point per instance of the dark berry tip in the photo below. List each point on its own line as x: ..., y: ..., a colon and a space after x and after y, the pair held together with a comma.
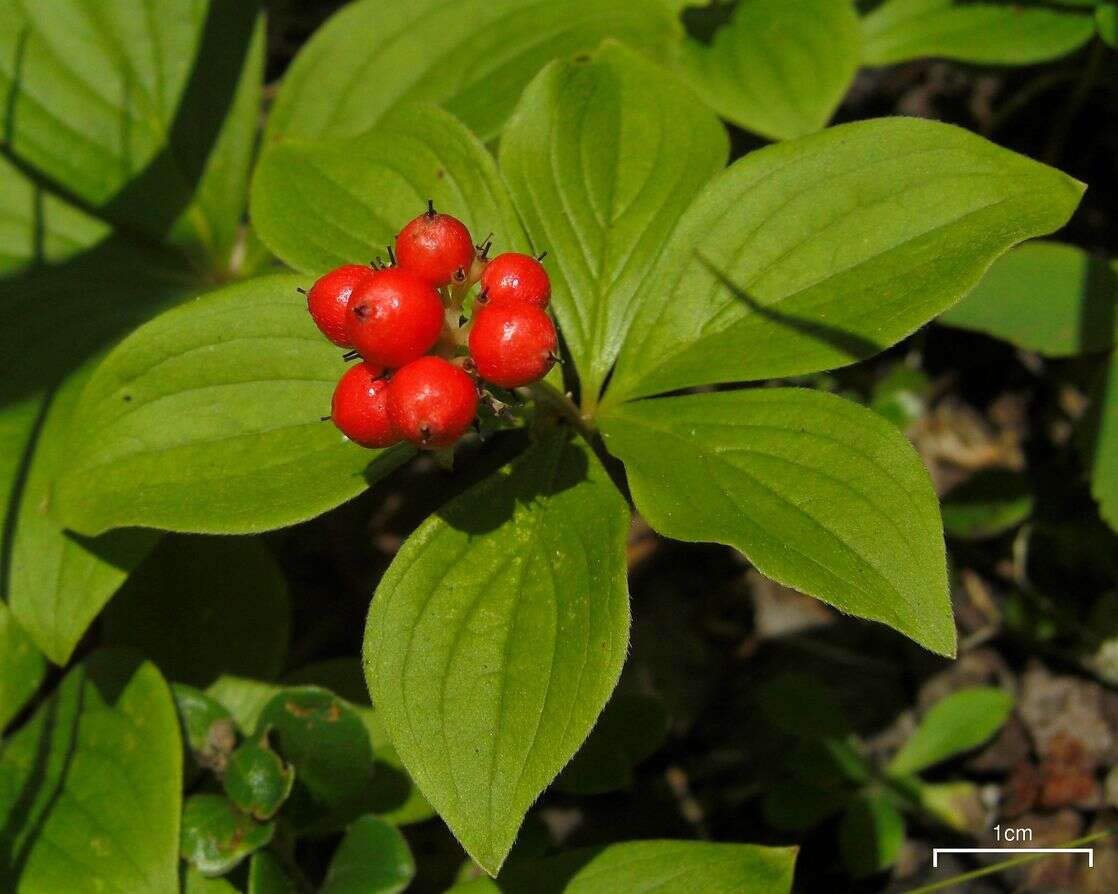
x: 460, y: 274
x: 391, y: 256
x: 300, y: 290
x: 483, y: 296
x: 431, y: 208
x: 325, y: 418
x: 541, y: 256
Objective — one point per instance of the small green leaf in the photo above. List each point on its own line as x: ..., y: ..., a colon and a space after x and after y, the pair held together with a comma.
x: 22, y: 667
x: 655, y: 866
x: 471, y: 56
x: 392, y: 795
x: 958, y: 805
x: 257, y: 780
x: 208, y: 420
x: 870, y: 834
x: 497, y: 635
x: 821, y: 251
x: 603, y: 154
x: 318, y: 205
x: 324, y: 738
x: 209, y: 732
x: 59, y: 581
x: 901, y: 395
x: 778, y: 69
x: 631, y: 728
x: 373, y: 858
x: 1044, y: 296
x: 202, y: 606
x: 105, y: 745
x: 245, y: 699
x: 987, y: 504
x: 267, y: 876
x: 216, y: 836
x: 991, y: 32
x: 819, y: 493
x: 959, y: 722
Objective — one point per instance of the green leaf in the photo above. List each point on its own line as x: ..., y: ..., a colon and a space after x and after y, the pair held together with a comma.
x: 987, y: 504
x: 318, y: 205
x: 266, y: 876
x: 22, y: 667
x: 819, y: 493
x: 497, y: 635
x: 245, y: 699
x: 1099, y: 440
x: 196, y: 883
x: 1106, y: 22
x: 120, y: 111
x: 901, y: 395
x: 959, y: 722
x: 203, y: 606
x: 603, y: 154
x: 821, y: 251
x: 778, y: 69
x: 57, y: 581
x: 106, y: 745
x: 216, y: 836
x: 1044, y: 296
x: 37, y: 226
x: 208, y: 729
x: 392, y: 795
x: 257, y: 780
x: 870, y: 834
x: 471, y: 56
x: 373, y: 858
x: 991, y: 32
x: 656, y: 866
x: 631, y: 728
x: 207, y: 419
x: 327, y: 743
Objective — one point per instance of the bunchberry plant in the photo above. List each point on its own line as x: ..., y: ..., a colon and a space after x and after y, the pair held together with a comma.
x: 161, y: 378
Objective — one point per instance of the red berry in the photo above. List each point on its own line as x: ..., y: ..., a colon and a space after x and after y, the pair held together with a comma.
x: 515, y: 277
x: 393, y: 317
x: 432, y: 402
x: 436, y: 247
x: 328, y: 298
x: 512, y: 344
x: 360, y: 407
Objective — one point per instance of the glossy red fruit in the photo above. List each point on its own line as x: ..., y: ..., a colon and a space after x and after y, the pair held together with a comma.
x: 512, y: 344
x: 393, y: 317
x: 360, y: 407
x: 436, y: 247
x: 328, y: 298
x: 515, y: 277
x: 432, y: 402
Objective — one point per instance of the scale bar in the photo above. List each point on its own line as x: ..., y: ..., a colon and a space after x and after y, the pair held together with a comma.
x: 1089, y: 851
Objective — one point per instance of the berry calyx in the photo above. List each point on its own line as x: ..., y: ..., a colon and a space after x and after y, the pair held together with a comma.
x: 516, y: 277
x: 436, y: 247
x: 329, y: 297
x: 360, y: 407
x: 393, y: 317
x: 512, y: 344
x: 432, y: 402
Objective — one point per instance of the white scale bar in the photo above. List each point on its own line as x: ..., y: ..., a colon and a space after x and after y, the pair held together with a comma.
x: 1089, y: 851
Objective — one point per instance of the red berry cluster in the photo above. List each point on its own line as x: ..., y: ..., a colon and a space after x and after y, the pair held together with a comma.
x: 422, y: 358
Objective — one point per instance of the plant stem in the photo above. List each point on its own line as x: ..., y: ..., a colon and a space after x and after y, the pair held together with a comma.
x: 1008, y: 864
x: 544, y: 393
